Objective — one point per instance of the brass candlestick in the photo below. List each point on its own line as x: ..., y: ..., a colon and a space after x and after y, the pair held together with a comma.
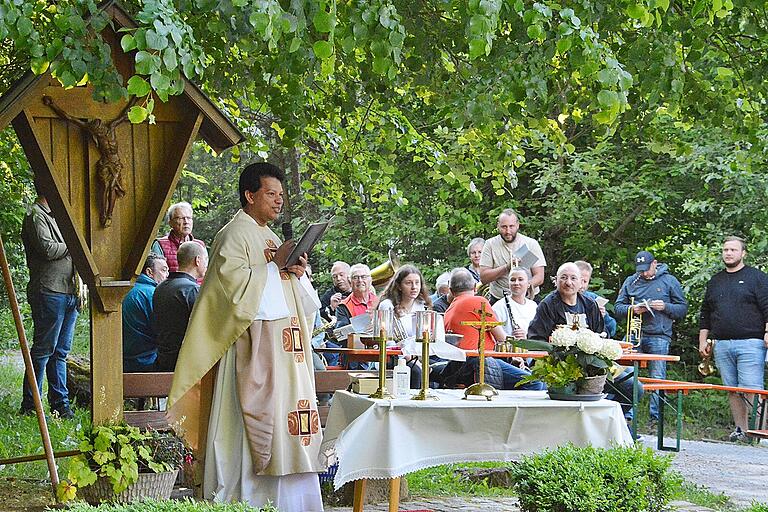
x: 382, y: 320
x: 483, y: 326
x: 424, y: 393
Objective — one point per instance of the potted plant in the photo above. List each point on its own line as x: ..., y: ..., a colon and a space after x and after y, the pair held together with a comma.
x: 123, y: 464
x: 579, y: 361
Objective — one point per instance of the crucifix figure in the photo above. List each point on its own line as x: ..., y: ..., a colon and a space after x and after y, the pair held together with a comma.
x: 483, y: 326
x: 109, y: 168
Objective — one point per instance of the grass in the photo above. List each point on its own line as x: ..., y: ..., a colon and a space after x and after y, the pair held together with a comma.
x: 447, y: 481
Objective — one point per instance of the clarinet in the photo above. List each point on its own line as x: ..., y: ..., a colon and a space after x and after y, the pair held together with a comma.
x: 514, y: 324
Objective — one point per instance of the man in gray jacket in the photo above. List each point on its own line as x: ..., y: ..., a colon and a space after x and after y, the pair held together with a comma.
x: 659, y: 298
x: 52, y: 298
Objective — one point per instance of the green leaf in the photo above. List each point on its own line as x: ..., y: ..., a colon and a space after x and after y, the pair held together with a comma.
x: 608, y: 99
x: 137, y: 86
x: 39, y: 66
x: 156, y: 41
x: 323, y: 21
x: 128, y: 42
x: 24, y: 26
x: 146, y: 63
x: 636, y: 11
x: 295, y: 43
x: 564, y: 44
x: 137, y: 114
x: 169, y: 59
x: 322, y: 49
x: 476, y: 48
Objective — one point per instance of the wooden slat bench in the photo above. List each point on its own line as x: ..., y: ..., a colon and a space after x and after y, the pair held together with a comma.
x: 758, y: 434
x: 330, y: 381
x: 147, y: 385
x: 662, y: 386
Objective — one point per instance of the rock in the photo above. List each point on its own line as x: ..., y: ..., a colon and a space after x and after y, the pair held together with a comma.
x: 496, y: 477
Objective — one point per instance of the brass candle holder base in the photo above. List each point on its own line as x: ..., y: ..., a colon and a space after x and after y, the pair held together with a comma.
x: 382, y: 393
x: 424, y: 395
x: 480, y: 389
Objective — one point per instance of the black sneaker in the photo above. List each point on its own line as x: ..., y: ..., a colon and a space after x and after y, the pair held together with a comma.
x: 64, y: 413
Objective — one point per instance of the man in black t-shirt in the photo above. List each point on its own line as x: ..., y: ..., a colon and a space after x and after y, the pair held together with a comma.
x: 735, y: 314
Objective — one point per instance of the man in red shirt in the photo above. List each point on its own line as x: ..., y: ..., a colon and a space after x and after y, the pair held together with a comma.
x: 466, y: 306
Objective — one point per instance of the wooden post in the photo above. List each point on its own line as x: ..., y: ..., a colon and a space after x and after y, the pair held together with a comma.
x: 106, y: 365
x: 30, y: 369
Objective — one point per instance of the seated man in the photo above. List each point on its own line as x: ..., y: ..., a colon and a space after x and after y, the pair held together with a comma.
x: 340, y: 290
x: 567, y: 305
x: 515, y: 309
x: 139, y: 347
x: 466, y: 307
x: 173, y: 302
x: 442, y: 286
x: 586, y: 277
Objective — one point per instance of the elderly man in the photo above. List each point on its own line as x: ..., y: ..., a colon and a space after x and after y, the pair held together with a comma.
x: 735, y: 314
x: 498, y: 256
x: 515, y: 309
x: 253, y: 319
x: 586, y: 277
x: 139, y: 346
x: 342, y: 287
x: 179, y: 219
x: 466, y: 306
x: 173, y: 301
x: 566, y: 306
x: 654, y: 286
x: 362, y: 299
x: 442, y: 286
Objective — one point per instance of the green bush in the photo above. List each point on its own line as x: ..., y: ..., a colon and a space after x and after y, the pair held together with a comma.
x: 170, y: 506
x: 573, y: 479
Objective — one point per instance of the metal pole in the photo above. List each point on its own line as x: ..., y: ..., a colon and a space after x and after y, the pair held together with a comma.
x: 30, y: 370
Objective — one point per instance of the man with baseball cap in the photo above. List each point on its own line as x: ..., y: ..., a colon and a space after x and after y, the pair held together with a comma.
x: 659, y: 299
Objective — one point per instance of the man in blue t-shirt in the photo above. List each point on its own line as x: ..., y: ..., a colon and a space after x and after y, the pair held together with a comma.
x: 139, y: 347
x: 735, y: 314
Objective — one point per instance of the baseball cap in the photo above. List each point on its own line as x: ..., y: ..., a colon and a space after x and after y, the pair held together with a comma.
x: 643, y: 261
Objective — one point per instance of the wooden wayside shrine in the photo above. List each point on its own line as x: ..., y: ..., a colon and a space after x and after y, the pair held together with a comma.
x: 108, y: 183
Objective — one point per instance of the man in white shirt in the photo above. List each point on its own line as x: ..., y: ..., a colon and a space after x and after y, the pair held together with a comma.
x: 499, y: 257
x: 515, y: 309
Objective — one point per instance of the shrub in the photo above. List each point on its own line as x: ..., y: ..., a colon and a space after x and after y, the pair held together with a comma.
x: 573, y: 479
x: 186, y: 505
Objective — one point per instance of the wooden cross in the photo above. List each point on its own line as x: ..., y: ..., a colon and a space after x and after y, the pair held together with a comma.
x: 483, y: 326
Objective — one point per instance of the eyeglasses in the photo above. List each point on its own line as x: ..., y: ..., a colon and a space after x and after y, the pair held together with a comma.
x: 182, y: 218
x: 357, y: 278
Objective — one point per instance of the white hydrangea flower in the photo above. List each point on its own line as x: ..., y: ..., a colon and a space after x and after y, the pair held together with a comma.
x: 611, y: 350
x: 563, y: 337
x: 588, y: 341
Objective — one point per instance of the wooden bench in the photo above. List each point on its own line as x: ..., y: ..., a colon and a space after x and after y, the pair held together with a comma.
x: 758, y: 434
x: 147, y: 385
x: 681, y: 388
x: 330, y: 381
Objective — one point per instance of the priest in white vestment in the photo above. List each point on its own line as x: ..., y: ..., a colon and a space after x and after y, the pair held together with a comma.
x: 243, y: 391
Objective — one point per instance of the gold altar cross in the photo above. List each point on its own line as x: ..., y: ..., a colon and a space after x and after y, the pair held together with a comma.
x: 483, y: 326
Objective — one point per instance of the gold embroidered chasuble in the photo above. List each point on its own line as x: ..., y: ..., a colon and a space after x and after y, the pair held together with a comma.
x: 246, y: 300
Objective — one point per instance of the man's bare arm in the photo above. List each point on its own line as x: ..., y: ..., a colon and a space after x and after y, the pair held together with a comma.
x: 704, y: 348
x: 488, y: 274
x: 537, y: 276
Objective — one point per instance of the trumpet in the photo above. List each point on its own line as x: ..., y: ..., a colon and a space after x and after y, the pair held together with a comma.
x: 706, y: 367
x: 634, y: 325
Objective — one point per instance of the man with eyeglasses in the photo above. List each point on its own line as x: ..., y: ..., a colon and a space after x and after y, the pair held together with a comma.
x: 180, y: 220
x: 362, y: 299
x: 565, y: 306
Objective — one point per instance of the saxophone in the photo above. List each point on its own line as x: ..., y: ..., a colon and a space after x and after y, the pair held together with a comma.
x: 327, y: 325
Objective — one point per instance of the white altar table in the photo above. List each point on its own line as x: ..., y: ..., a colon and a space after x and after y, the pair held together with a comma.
x: 385, y: 439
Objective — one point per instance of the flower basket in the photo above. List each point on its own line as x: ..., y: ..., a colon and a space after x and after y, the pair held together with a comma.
x: 157, y: 486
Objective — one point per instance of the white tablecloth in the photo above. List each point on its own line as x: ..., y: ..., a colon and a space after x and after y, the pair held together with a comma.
x: 390, y: 438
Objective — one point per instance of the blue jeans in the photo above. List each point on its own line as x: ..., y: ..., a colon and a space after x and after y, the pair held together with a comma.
x: 511, y: 375
x: 741, y: 362
x: 620, y: 390
x: 54, y: 316
x: 655, y: 344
